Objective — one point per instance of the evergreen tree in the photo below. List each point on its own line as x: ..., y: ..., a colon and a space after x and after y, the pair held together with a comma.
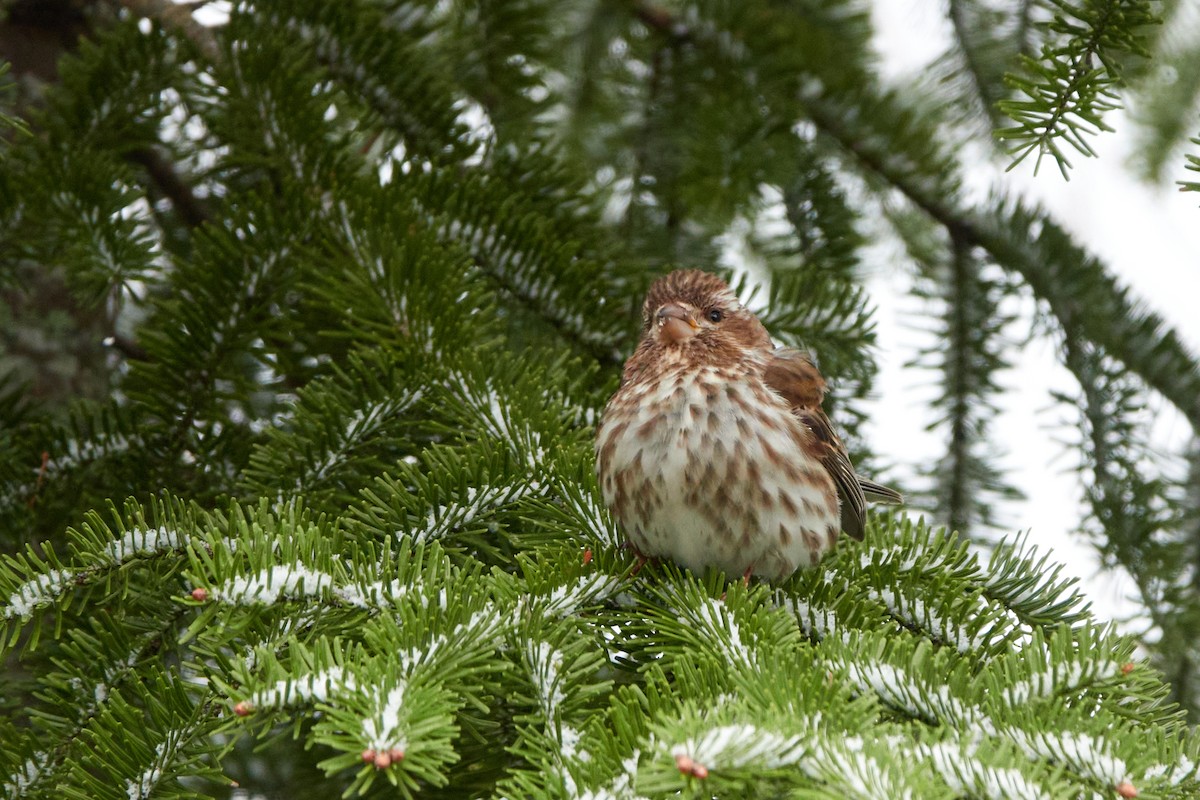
x: 321, y: 517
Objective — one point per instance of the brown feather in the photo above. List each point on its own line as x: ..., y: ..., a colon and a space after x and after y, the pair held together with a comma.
x: 796, y: 378
x: 715, y: 450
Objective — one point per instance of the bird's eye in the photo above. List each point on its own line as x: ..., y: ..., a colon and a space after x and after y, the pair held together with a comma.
x: 716, y: 315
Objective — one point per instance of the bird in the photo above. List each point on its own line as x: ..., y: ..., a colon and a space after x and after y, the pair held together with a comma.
x: 715, y: 451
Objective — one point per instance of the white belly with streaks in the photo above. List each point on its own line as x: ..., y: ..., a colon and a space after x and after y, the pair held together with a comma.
x: 699, y: 505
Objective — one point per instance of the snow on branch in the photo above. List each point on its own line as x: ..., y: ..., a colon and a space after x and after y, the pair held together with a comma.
x: 38, y: 592
x: 916, y: 613
x: 739, y: 745
x: 142, y: 787
x: 852, y: 772
x: 719, y: 626
x: 1030, y: 586
x: 496, y: 417
x: 445, y: 519
x: 1185, y: 770
x: 311, y: 687
x: 1059, y: 678
x: 377, y: 594
x: 1083, y: 753
x: 906, y: 560
x: 502, y: 251
x: 566, y: 599
x: 45, y: 588
x: 545, y: 663
x: 816, y: 620
x: 899, y: 689
x: 967, y: 776
x: 585, y: 510
x: 482, y: 628
x: 621, y: 786
x: 359, y: 427
x: 267, y: 586
x: 384, y: 730
x: 142, y: 541
x: 83, y: 451
x: 29, y: 774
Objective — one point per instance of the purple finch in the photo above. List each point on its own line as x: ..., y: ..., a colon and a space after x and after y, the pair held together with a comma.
x: 715, y: 450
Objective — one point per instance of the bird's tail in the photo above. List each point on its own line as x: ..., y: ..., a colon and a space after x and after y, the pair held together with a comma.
x: 877, y: 493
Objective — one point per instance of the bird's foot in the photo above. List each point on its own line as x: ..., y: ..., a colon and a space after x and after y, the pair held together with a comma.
x: 746, y: 576
x: 641, y: 559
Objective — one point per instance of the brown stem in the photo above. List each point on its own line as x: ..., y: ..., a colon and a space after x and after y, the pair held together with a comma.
x: 192, y: 210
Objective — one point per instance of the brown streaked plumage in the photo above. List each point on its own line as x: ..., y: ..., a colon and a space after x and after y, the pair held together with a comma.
x: 715, y: 450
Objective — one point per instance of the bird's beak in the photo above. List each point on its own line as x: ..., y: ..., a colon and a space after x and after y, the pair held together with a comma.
x: 675, y: 323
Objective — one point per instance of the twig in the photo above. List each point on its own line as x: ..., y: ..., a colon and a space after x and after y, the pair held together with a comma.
x: 192, y: 210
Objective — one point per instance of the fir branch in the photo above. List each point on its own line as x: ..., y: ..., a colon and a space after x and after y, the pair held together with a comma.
x: 959, y: 765
x: 809, y: 308
x: 1136, y: 510
x: 99, y: 678
x: 152, y: 743
x: 577, y: 507
x: 850, y: 772
x: 560, y: 670
x: 525, y: 250
x: 727, y: 747
x: 1193, y: 163
x: 973, y: 31
x: 1165, y: 98
x: 815, y: 618
x: 1181, y: 665
x: 92, y: 453
x: 1025, y: 27
x: 822, y: 220
x: 381, y: 327
x: 34, y: 581
x: 1025, y: 241
x: 192, y: 210
x: 1030, y: 587
x: 1086, y: 755
x: 968, y: 356
x: 962, y: 431
x: 177, y: 16
x: 345, y: 429
x: 6, y: 119
x: 381, y: 65
x: 1074, y: 81
x: 1054, y: 266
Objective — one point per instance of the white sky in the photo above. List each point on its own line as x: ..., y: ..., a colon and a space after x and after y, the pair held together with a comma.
x: 1148, y: 236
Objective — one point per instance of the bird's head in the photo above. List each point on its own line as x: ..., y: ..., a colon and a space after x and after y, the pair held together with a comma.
x: 696, y: 313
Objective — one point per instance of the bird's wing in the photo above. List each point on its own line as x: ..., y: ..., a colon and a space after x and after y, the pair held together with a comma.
x: 795, y: 378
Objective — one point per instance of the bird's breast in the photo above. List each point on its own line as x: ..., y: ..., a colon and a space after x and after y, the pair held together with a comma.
x: 708, y: 466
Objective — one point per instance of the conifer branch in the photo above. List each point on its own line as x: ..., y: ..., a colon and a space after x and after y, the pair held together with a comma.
x: 390, y: 371
x: 1183, y: 673
x: 1193, y: 164
x: 31, y: 586
x: 958, y: 513
x: 192, y: 210
x: 179, y: 17
x: 47, y: 764
x: 1166, y: 94
x: 1072, y: 85
x: 966, y: 31
x: 1059, y: 271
